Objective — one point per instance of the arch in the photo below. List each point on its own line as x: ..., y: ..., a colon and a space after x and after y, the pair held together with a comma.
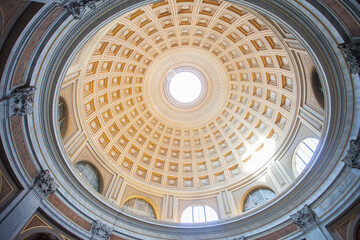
x: 140, y: 206
x: 41, y: 236
x: 62, y: 116
x: 198, y: 214
x: 39, y: 233
x: 303, y: 154
x: 90, y: 174
x: 257, y: 197
x: 149, y: 200
x: 354, y: 226
x: 357, y: 231
x: 331, y: 159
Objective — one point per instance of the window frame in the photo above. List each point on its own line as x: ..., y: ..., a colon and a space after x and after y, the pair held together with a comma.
x: 252, y: 191
x: 149, y: 206
x: 97, y: 174
x: 297, y: 156
x: 205, y: 214
x: 63, y: 120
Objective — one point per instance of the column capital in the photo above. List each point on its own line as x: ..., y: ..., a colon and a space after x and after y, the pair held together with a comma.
x: 44, y: 184
x: 352, y: 54
x: 21, y: 101
x: 304, y: 218
x: 100, y: 231
x: 77, y: 8
x: 352, y: 158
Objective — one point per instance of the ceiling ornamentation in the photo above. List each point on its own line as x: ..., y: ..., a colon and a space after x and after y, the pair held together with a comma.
x: 244, y: 118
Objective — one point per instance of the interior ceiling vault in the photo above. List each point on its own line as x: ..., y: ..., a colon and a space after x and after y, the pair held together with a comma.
x: 95, y: 143
x: 246, y: 117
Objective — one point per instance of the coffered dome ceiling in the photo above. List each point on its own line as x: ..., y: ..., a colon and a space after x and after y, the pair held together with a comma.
x: 242, y: 118
x: 149, y: 119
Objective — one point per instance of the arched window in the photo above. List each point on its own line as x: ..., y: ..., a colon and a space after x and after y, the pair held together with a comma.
x: 61, y: 114
x: 198, y: 213
x: 257, y: 197
x: 304, y: 153
x: 140, y: 206
x: 317, y: 88
x: 89, y: 173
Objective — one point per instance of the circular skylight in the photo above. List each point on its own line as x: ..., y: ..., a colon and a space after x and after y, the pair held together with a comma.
x: 185, y: 87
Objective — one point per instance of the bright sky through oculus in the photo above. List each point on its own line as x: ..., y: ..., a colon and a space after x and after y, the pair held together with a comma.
x: 185, y: 87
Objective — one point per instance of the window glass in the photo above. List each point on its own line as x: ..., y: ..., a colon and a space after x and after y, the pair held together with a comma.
x: 61, y: 114
x: 304, y: 153
x: 258, y: 197
x: 89, y: 174
x: 317, y: 88
x: 140, y: 206
x: 198, y: 213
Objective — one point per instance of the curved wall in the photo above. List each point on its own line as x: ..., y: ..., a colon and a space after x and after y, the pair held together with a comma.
x: 31, y: 143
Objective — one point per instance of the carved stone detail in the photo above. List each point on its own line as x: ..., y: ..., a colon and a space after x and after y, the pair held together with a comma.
x: 44, y: 184
x: 100, y: 231
x: 77, y: 8
x: 352, y: 158
x: 352, y: 52
x: 304, y: 218
x: 21, y: 101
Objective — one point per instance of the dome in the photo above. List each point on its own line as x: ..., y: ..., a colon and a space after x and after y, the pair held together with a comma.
x: 240, y: 119
x: 181, y: 119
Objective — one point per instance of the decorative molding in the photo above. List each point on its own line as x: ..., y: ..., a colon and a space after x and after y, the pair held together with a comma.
x: 44, y: 184
x: 239, y: 238
x: 304, y: 218
x: 19, y: 102
x: 99, y: 204
x: 352, y: 158
x: 100, y: 231
x: 352, y: 51
x: 77, y: 8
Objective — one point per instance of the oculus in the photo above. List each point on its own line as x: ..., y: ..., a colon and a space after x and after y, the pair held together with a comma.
x: 185, y: 87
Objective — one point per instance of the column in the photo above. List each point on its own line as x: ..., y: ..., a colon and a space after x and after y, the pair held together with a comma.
x: 305, y: 219
x: 25, y: 205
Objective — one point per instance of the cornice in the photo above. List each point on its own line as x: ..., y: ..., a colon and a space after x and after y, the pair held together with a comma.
x: 316, y: 43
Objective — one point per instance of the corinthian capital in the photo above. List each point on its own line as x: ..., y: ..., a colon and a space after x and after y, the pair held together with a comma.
x: 304, y: 218
x: 352, y: 51
x: 352, y: 158
x: 77, y: 8
x: 21, y: 101
x: 100, y: 231
x: 45, y: 184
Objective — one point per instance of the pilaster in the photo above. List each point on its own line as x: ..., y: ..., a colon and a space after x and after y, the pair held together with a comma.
x: 25, y: 205
x: 305, y: 220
